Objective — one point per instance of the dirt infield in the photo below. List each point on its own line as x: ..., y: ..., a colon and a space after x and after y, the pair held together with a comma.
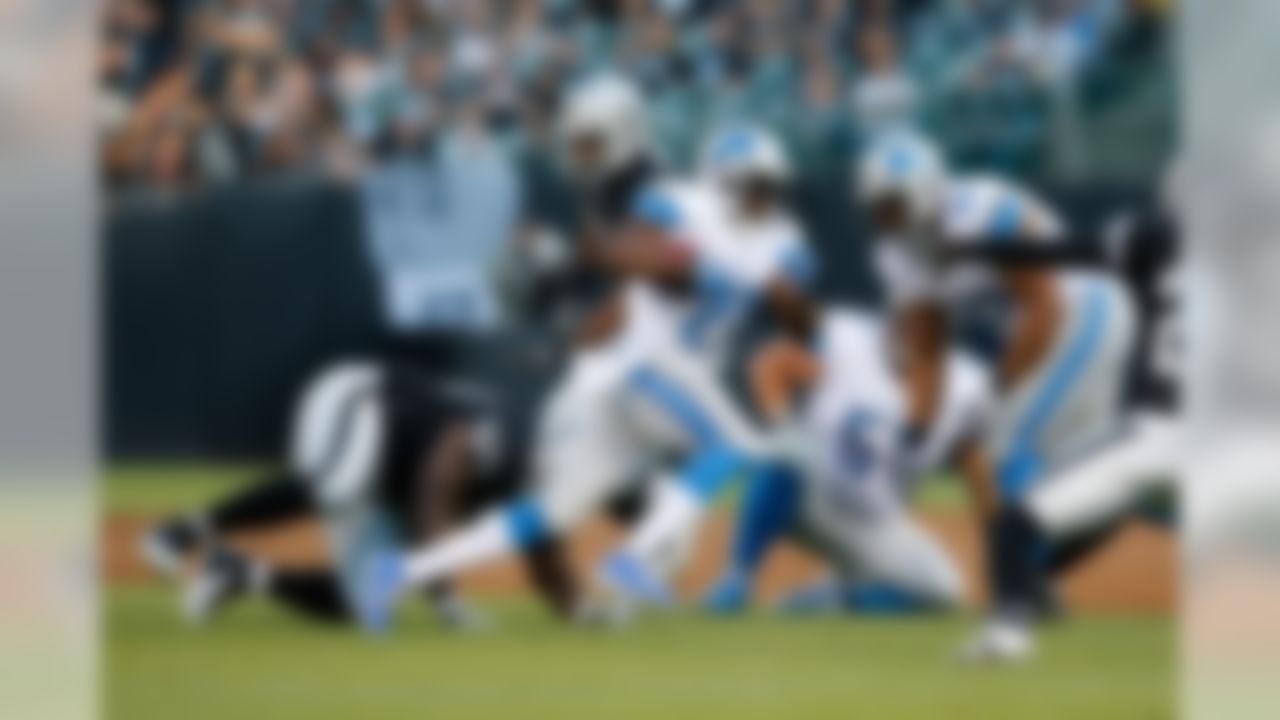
x: 1136, y: 573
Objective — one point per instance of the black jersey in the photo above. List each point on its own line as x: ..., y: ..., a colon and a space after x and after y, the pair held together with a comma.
x: 610, y: 202
x: 603, y: 206
x: 1144, y: 249
x: 419, y: 409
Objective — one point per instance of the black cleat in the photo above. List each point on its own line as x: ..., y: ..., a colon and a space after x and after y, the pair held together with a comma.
x: 166, y: 546
x: 223, y: 577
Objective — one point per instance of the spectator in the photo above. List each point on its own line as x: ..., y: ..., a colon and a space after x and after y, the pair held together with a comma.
x: 998, y: 112
x: 884, y: 96
x: 1058, y: 38
x: 821, y: 127
x: 201, y: 92
x: 439, y: 207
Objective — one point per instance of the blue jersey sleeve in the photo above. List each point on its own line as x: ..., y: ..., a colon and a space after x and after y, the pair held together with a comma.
x: 656, y: 207
x: 799, y: 266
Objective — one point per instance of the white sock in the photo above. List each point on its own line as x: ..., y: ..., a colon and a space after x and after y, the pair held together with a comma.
x: 487, y: 538
x: 665, y: 533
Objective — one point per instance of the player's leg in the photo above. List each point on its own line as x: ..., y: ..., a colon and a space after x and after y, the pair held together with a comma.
x: 906, y: 570
x: 276, y: 499
x: 550, y: 569
x: 678, y: 404
x: 315, y: 593
x: 640, y: 569
x: 1075, y: 509
x: 666, y: 500
x: 226, y: 576
x: 767, y: 513
x: 884, y: 563
x: 1059, y: 410
x: 1069, y: 402
x: 1090, y: 494
x: 1064, y: 411
x: 583, y: 454
x: 336, y: 431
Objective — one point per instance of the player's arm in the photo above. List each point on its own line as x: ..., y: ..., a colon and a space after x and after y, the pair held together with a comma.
x: 978, y: 476
x: 647, y: 245
x: 1014, y: 253
x: 792, y: 307
x: 639, y: 252
x: 642, y: 250
x: 779, y: 373
x: 922, y: 329
x: 1038, y: 317
x: 788, y: 294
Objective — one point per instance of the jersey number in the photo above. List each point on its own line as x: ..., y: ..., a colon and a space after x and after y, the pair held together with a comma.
x: 857, y: 449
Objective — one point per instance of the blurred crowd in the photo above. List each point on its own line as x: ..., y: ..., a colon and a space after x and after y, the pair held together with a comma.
x: 196, y: 93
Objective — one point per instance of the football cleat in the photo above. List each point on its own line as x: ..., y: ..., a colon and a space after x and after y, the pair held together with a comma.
x: 380, y: 583
x: 624, y: 575
x: 165, y: 547
x: 223, y: 577
x: 455, y: 613
x: 729, y: 596
x: 819, y: 598
x: 999, y: 642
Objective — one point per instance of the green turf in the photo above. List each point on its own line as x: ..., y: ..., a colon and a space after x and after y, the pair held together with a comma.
x: 161, y: 488
x: 259, y: 663
x: 158, y: 488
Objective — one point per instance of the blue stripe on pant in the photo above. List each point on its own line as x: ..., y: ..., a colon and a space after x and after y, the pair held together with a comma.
x: 713, y: 463
x: 1023, y: 463
x: 682, y: 408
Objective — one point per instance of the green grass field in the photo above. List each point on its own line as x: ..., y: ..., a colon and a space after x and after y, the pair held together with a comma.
x: 170, y: 488
x: 258, y: 662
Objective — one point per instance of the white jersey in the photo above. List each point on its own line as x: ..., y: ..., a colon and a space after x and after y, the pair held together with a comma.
x: 1069, y: 400
x: 858, y: 408
x: 975, y: 209
x: 736, y: 259
x: 654, y: 389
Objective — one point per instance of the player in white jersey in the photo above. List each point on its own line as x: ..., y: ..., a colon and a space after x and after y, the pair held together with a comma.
x: 1077, y: 509
x: 642, y: 384
x: 841, y: 488
x: 944, y: 243
x: 750, y: 249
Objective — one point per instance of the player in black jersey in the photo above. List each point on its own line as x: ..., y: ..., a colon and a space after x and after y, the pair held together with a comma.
x: 1144, y: 248
x: 606, y: 160
x: 381, y: 454
x: 1076, y: 511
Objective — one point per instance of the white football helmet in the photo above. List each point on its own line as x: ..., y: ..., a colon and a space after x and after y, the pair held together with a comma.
x: 611, y: 109
x: 744, y: 152
x: 904, y: 165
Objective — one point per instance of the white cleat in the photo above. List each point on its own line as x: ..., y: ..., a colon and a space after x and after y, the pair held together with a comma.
x: 1000, y: 642
x: 604, y: 610
x: 461, y: 616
